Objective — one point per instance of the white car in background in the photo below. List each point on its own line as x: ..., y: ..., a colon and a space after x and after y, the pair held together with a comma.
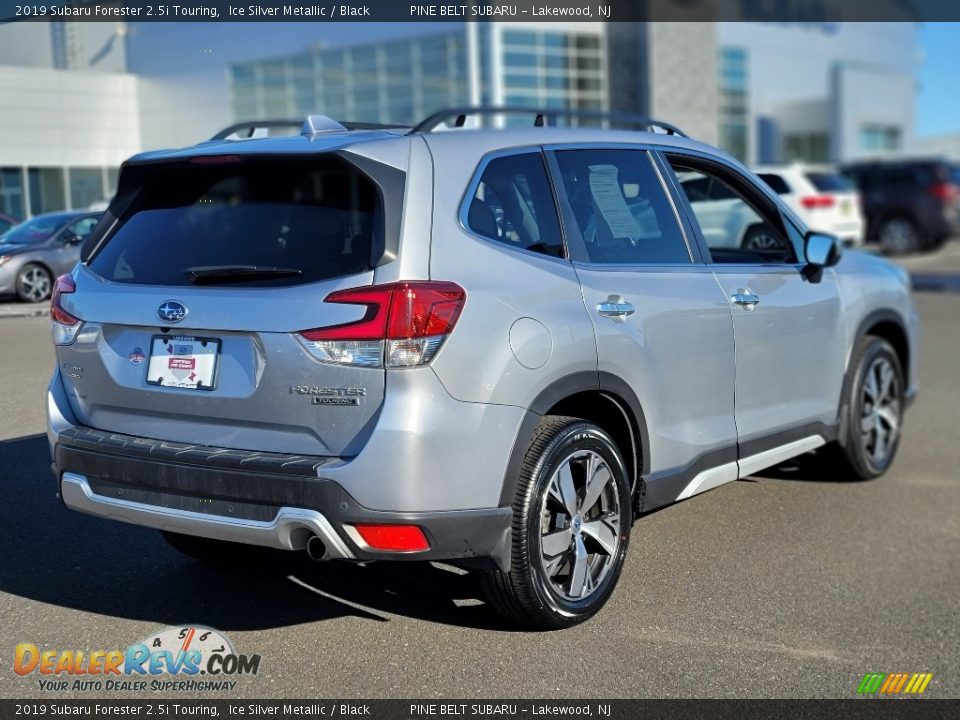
x: 824, y: 198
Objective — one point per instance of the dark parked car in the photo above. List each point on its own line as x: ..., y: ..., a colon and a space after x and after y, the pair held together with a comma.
x: 35, y: 252
x: 909, y: 204
x: 6, y: 222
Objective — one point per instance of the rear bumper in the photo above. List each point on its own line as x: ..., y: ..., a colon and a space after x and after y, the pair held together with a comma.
x: 264, y: 499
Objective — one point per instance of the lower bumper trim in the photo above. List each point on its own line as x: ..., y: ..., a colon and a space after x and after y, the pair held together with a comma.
x: 290, y: 529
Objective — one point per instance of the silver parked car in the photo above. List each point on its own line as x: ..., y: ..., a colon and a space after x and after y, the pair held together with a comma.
x: 35, y: 252
x: 493, y: 347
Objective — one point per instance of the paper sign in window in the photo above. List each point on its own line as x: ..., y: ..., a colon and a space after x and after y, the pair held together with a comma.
x: 609, y: 201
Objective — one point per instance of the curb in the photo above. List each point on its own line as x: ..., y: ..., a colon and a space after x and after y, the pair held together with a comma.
x: 25, y: 312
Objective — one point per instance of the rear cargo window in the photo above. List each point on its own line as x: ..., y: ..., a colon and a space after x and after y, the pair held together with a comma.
x: 246, y: 223
x: 829, y: 182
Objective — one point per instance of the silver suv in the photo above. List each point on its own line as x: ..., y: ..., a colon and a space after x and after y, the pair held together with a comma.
x: 495, y: 347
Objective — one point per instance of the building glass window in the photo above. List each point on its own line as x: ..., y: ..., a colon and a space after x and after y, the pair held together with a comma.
x: 879, y: 138
x: 11, y: 193
x: 86, y: 187
x: 733, y: 64
x: 813, y: 147
x: 47, y: 192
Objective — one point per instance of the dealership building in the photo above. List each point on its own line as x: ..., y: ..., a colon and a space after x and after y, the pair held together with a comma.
x: 76, y: 99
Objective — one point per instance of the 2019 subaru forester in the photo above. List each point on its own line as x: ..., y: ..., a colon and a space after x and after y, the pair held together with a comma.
x: 493, y: 347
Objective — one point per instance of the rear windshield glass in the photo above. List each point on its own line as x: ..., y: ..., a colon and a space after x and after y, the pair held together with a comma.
x: 272, y: 223
x: 829, y: 182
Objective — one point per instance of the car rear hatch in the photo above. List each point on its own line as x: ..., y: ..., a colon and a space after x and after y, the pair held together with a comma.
x: 193, y: 304
x: 836, y: 205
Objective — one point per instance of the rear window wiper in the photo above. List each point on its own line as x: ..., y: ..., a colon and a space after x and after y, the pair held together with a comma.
x: 237, y: 273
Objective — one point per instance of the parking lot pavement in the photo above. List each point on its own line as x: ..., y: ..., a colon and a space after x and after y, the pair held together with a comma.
x: 790, y: 584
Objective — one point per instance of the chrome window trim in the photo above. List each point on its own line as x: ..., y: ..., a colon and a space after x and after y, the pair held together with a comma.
x: 470, y: 192
x: 649, y: 149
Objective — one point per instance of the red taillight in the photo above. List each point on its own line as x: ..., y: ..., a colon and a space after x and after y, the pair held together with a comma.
x: 65, y: 285
x: 814, y: 202
x: 944, y: 191
x: 405, y: 324
x: 393, y: 538
x: 65, y: 325
x: 396, y: 311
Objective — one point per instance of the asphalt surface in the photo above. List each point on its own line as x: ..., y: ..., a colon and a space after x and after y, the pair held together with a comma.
x: 791, y: 584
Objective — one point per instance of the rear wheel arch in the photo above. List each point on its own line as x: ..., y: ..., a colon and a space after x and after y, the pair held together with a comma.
x: 600, y: 398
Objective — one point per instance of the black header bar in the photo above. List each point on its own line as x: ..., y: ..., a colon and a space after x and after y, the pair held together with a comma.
x: 786, y: 11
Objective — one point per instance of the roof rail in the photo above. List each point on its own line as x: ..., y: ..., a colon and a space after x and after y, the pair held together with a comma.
x: 257, y: 128
x: 316, y: 123
x: 546, y: 117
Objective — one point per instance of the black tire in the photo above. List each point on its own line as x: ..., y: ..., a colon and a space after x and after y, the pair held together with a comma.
x: 528, y: 594
x: 899, y: 235
x: 763, y: 238
x: 857, y: 448
x: 34, y: 283
x: 213, y: 552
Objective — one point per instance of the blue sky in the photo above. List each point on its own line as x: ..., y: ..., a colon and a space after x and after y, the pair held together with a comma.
x: 938, y: 101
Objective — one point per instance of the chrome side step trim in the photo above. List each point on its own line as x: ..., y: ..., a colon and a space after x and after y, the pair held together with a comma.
x: 775, y: 456
x: 722, y: 474
x: 289, y: 530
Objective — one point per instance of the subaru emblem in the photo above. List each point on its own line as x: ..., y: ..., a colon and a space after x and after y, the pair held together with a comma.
x: 172, y: 311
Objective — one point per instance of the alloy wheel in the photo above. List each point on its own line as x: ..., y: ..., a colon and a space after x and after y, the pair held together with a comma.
x: 579, y: 525
x: 880, y: 411
x: 35, y: 284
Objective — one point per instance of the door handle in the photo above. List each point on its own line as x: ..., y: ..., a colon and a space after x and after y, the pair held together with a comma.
x: 615, y: 307
x: 747, y: 299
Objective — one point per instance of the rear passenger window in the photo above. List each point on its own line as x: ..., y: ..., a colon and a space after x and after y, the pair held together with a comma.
x: 513, y: 205
x: 621, y: 208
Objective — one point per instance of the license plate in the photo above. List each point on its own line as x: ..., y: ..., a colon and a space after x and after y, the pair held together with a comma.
x: 183, y: 362
x: 846, y: 207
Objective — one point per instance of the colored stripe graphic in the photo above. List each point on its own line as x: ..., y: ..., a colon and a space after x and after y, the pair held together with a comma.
x: 894, y: 683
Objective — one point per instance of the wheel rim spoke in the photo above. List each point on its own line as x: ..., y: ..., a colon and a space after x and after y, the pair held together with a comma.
x: 556, y: 543
x: 578, y: 575
x: 566, y: 492
x: 604, y: 530
x: 598, y: 475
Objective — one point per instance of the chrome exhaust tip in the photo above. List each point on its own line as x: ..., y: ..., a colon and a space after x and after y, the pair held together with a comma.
x: 316, y: 549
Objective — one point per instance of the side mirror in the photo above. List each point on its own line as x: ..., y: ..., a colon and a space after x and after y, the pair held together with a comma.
x: 822, y: 250
x: 72, y: 239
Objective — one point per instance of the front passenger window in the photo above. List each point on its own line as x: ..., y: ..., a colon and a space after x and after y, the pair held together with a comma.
x: 513, y: 205
x: 735, y: 227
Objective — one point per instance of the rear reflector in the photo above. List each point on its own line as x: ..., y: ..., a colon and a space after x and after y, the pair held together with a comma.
x: 405, y: 324
x: 64, y: 326
x: 813, y: 202
x: 393, y: 538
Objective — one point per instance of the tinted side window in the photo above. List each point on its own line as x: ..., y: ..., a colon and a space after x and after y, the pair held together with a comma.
x: 736, y: 227
x: 621, y: 208
x: 513, y: 204
x: 776, y: 183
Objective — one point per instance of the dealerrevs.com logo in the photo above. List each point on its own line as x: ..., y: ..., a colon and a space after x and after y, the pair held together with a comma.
x: 173, y: 659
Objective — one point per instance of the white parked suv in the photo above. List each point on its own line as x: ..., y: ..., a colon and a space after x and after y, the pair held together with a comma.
x: 825, y: 199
